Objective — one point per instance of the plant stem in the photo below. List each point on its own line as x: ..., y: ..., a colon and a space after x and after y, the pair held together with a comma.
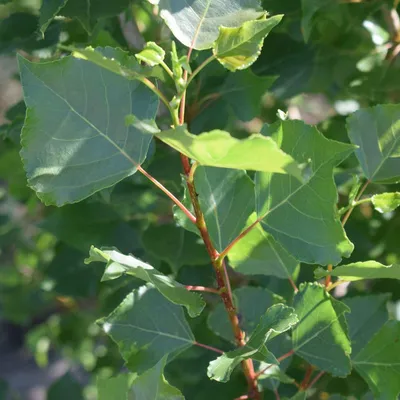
x: 218, y: 263
x: 277, y: 397
x: 167, y: 69
x: 200, y: 68
x: 328, y: 279
x: 307, y: 377
x: 202, y: 289
x: 316, y: 379
x: 168, y: 193
x: 281, y: 358
x: 206, y: 346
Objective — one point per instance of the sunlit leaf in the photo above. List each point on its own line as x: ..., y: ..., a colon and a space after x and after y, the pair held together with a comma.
x: 196, y: 22
x: 362, y: 270
x: 276, y: 320
x: 386, y: 202
x: 219, y: 149
x: 118, y: 264
x: 238, y: 48
x: 152, y: 54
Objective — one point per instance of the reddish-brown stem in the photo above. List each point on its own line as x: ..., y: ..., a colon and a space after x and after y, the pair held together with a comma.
x: 202, y: 289
x: 206, y: 346
x: 242, y: 235
x: 168, y: 193
x: 281, y: 358
x: 328, y: 279
x: 316, y: 379
x: 218, y: 264
x: 304, y: 384
x: 277, y: 397
x: 244, y: 397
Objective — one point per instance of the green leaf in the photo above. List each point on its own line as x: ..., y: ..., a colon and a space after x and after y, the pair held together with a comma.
x: 258, y: 253
x: 149, y: 386
x: 376, y: 130
x: 276, y: 320
x: 273, y: 375
x: 115, y: 388
x: 119, y: 264
x: 87, y: 12
x: 238, y: 48
x: 153, y: 386
x: 309, y: 8
x: 180, y: 217
x: 302, y: 216
x: 362, y: 270
x: 251, y: 303
x: 386, y: 202
x: 4, y: 389
x: 175, y: 245
x: 368, y: 315
x: 226, y: 197
x: 196, y: 22
x: 65, y: 388
x: 74, y: 141
x: 152, y: 54
x: 147, y: 327
x: 379, y: 362
x: 321, y: 335
x: 48, y: 10
x: 219, y: 149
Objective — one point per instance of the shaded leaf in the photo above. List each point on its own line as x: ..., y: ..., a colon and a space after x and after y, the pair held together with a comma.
x: 153, y: 386
x: 152, y: 54
x: 302, y: 216
x: 376, y: 130
x: 175, y: 245
x: 367, y: 316
x: 74, y: 143
x: 87, y: 12
x: 362, y: 270
x: 147, y: 327
x: 65, y: 388
x: 386, y: 202
x: 251, y: 303
x: 48, y: 10
x: 379, y: 362
x: 119, y: 264
x: 321, y: 335
x: 219, y: 149
x: 226, y: 198
x: 309, y: 8
x: 276, y: 320
x: 238, y: 48
x: 196, y: 22
x: 258, y: 253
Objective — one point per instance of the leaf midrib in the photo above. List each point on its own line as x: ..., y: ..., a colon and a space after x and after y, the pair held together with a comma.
x: 130, y: 159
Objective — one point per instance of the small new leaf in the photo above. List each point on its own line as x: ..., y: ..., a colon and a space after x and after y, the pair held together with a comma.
x: 361, y: 270
x: 119, y: 264
x: 276, y: 320
x: 386, y: 202
x: 152, y: 54
x: 238, y: 48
